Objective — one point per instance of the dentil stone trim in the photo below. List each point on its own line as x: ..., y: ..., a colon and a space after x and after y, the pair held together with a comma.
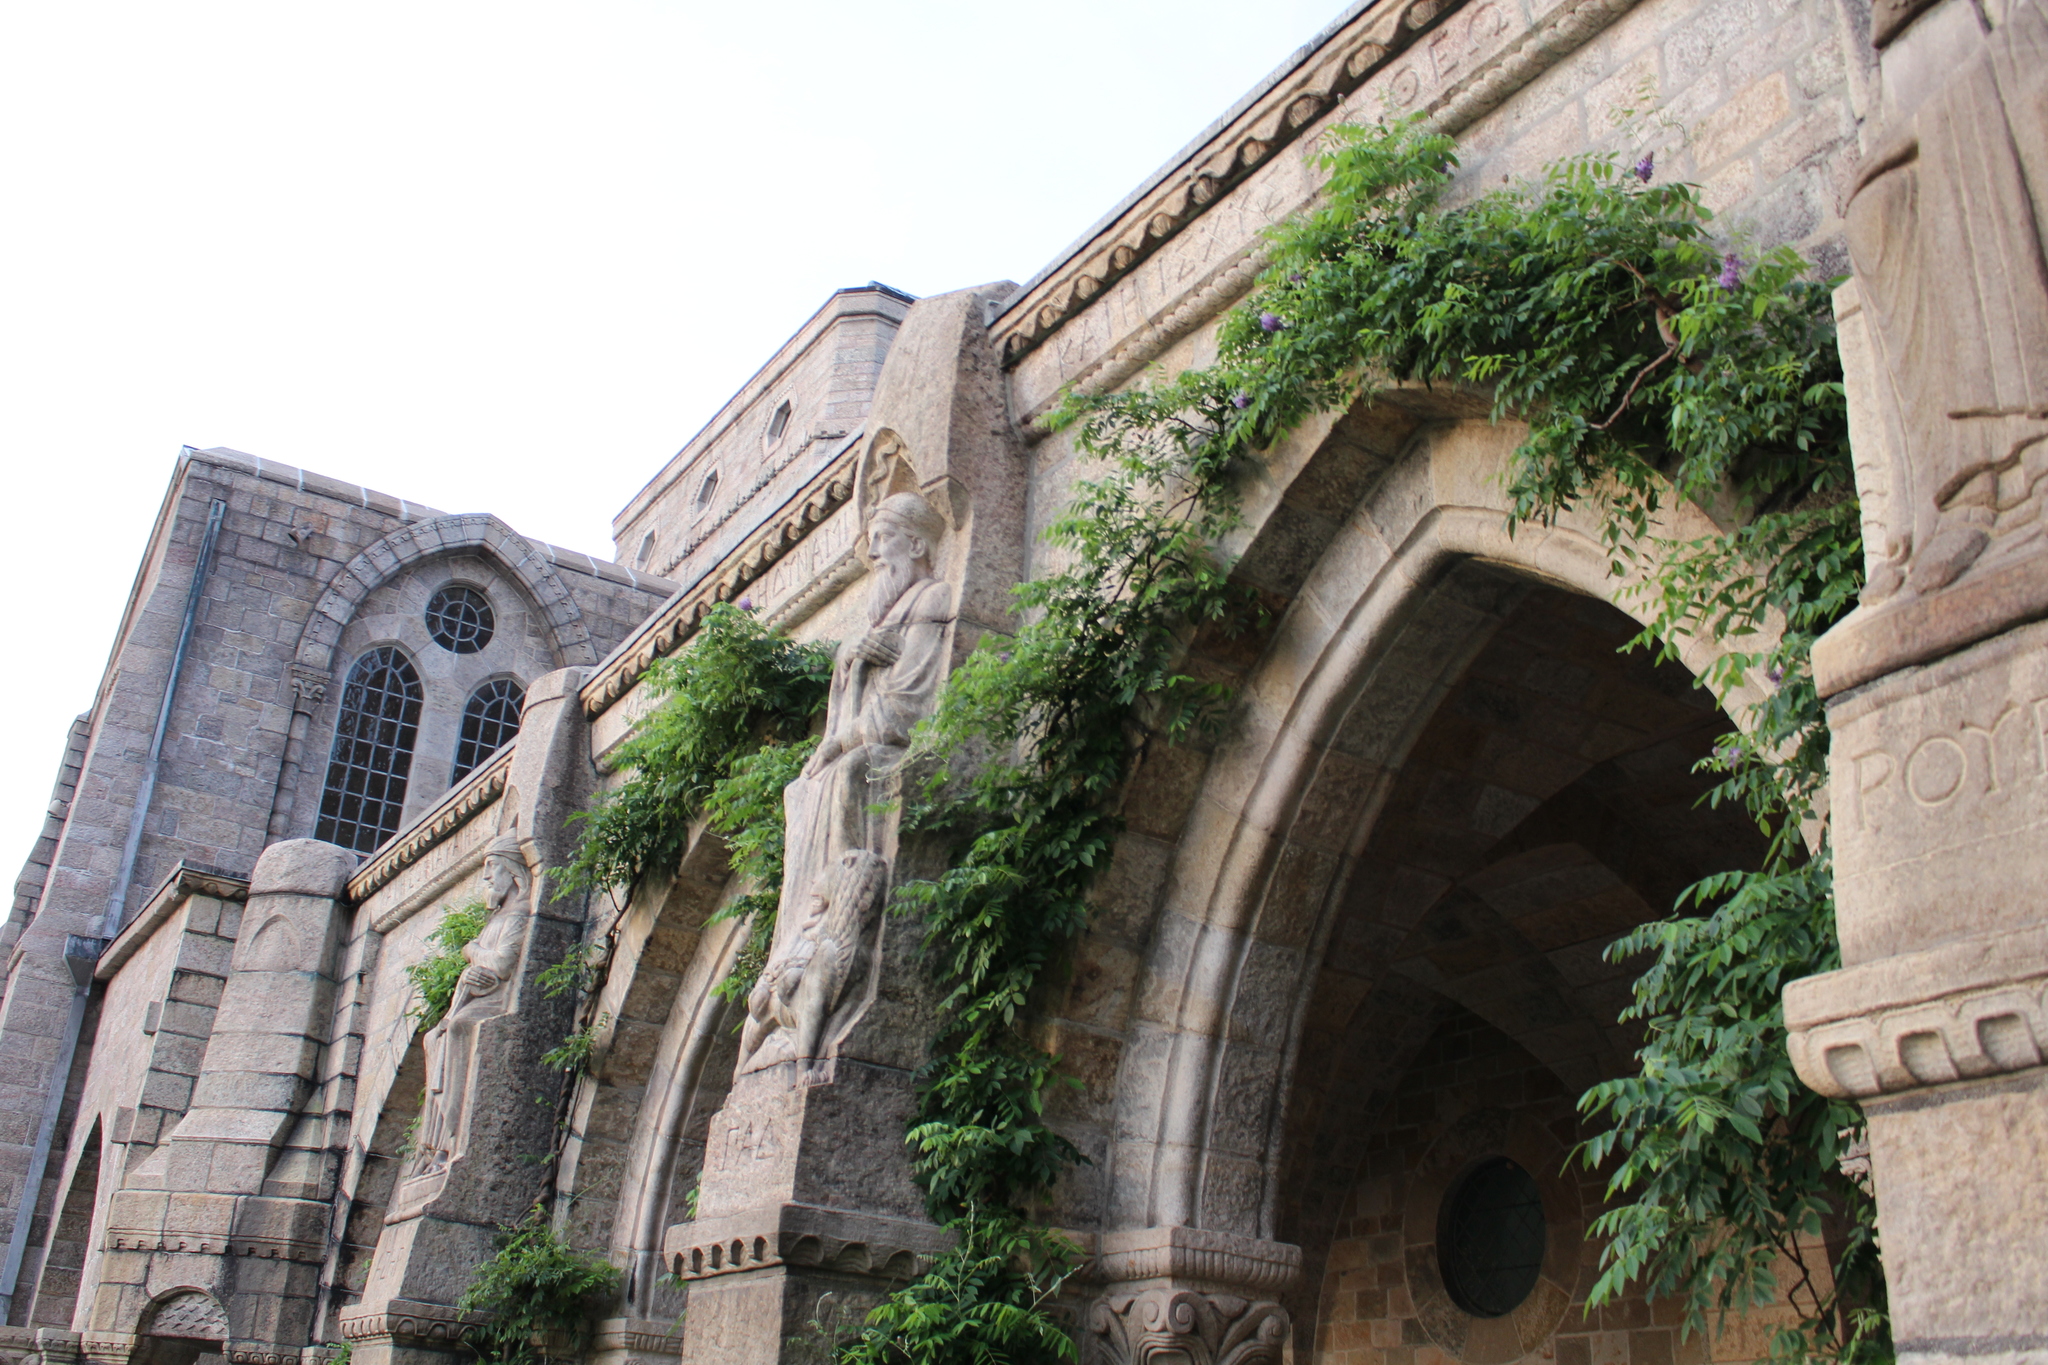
x: 1962, y: 1011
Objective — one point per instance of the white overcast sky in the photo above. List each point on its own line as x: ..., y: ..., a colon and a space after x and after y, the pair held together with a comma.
x: 500, y: 257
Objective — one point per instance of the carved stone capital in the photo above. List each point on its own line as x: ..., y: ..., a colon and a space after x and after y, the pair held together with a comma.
x: 1171, y: 1326
x: 309, y: 686
x: 802, y: 1235
x: 1962, y: 1011
x: 1197, y: 1257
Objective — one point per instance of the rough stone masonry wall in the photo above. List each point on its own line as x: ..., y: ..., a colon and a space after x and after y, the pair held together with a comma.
x: 1375, y: 1296
x: 285, y: 537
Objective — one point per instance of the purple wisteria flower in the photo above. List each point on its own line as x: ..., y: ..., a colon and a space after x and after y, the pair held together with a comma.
x: 1647, y: 167
x: 1296, y: 278
x: 1776, y: 675
x: 746, y: 604
x: 1730, y: 278
x: 1270, y: 322
x: 1240, y: 400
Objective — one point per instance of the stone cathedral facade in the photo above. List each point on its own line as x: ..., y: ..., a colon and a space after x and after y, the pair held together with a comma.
x: 1347, y: 954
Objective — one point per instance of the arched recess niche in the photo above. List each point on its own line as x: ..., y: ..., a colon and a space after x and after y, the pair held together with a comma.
x: 660, y: 1067
x: 1381, y: 542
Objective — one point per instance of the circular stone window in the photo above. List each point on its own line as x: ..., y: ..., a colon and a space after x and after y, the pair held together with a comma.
x: 459, y: 619
x: 1491, y: 1238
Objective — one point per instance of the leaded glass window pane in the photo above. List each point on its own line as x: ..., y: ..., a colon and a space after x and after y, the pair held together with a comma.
x: 372, y: 758
x: 460, y: 619
x: 490, y: 718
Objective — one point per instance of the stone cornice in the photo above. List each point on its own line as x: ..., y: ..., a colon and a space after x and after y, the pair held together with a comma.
x: 461, y: 805
x: 666, y: 630
x: 1277, y: 117
x: 1962, y: 1011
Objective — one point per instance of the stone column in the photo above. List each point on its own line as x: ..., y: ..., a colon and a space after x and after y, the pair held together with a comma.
x: 1189, y: 1294
x: 232, y: 1208
x: 806, y: 1210
x: 1937, y: 685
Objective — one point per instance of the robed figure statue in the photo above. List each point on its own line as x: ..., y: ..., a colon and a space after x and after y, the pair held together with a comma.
x: 483, y: 991
x: 884, y: 681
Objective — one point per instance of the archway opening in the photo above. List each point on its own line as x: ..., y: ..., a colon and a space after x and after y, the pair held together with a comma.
x: 1549, y: 804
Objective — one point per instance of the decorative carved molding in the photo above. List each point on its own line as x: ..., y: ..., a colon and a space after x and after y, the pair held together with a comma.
x: 470, y: 532
x: 409, y: 1321
x: 676, y: 622
x: 1201, y: 1256
x: 1275, y: 119
x: 467, y: 800
x: 1186, y: 1327
x: 1488, y: 79
x: 638, y: 1337
x: 761, y: 480
x: 802, y: 1235
x: 213, y: 1244
x: 1963, y: 1011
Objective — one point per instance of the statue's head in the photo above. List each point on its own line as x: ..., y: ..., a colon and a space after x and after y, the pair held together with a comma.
x: 905, y: 530
x: 902, y: 534
x: 504, y: 870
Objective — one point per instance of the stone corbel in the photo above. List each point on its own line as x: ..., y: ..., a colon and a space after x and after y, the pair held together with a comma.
x: 1962, y: 1011
x: 1193, y: 1295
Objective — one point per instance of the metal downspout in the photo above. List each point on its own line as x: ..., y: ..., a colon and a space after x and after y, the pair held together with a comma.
x: 81, y: 952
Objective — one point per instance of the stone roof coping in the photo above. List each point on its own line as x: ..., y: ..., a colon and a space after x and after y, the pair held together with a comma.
x: 759, y: 384
x: 666, y: 629
x: 306, y: 481
x: 184, y: 881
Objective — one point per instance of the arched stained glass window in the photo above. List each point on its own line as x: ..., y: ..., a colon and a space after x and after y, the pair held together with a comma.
x: 490, y: 718
x: 373, y: 743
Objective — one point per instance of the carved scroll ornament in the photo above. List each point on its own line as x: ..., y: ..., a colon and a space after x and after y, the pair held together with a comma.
x: 1186, y: 1327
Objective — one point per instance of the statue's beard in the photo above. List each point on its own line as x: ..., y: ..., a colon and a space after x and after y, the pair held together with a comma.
x: 892, y: 580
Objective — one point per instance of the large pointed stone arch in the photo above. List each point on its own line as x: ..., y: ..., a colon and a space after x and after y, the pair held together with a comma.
x: 469, y: 532
x: 1402, y: 592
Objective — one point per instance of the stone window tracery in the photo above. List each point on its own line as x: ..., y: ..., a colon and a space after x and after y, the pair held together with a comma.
x: 1492, y: 1238
x: 489, y: 719
x: 374, y: 738
x: 460, y: 620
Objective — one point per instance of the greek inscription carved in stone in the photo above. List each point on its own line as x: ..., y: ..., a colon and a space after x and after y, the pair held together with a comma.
x: 1935, y: 770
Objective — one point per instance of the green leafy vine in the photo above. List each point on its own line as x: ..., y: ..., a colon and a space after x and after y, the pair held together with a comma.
x: 1650, y: 365
x: 730, y: 729
x: 433, y: 977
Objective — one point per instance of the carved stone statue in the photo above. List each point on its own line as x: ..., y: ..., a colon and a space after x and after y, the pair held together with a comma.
x: 481, y: 992
x: 811, y: 963
x: 884, y: 682
x: 1946, y: 235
